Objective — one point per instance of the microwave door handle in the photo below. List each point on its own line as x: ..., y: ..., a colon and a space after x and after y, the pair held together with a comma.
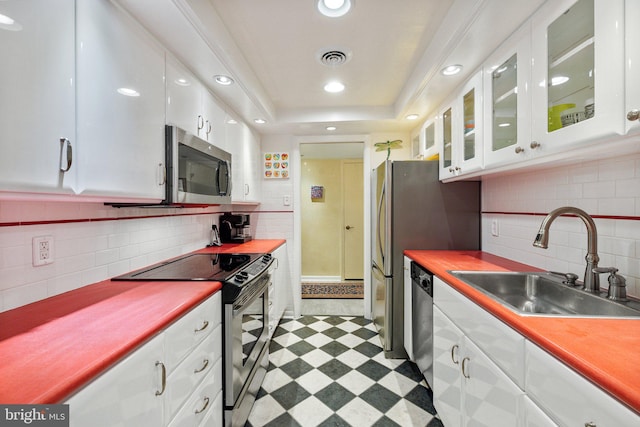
x: 227, y: 190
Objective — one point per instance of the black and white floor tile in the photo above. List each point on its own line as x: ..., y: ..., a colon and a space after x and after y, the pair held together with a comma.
x: 331, y: 371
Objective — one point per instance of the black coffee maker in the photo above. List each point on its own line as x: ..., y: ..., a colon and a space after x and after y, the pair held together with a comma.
x: 235, y: 228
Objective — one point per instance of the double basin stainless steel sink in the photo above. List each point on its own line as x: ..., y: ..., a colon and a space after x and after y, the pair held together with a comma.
x: 543, y: 293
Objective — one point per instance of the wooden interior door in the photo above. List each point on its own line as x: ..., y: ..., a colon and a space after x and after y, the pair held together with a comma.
x: 353, y: 233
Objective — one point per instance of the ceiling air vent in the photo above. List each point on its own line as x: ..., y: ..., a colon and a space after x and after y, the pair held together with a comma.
x: 333, y: 57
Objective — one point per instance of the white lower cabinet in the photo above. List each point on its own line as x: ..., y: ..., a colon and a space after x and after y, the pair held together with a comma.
x: 534, y: 416
x: 570, y: 399
x: 202, y: 401
x: 468, y: 388
x: 173, y: 380
x: 487, y: 374
x: 129, y: 394
x: 280, y: 287
x: 408, y: 309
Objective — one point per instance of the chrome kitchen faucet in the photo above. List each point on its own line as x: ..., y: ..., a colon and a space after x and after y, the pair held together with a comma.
x: 591, y: 278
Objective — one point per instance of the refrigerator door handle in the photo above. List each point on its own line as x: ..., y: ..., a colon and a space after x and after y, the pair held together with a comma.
x: 374, y: 266
x: 379, y: 234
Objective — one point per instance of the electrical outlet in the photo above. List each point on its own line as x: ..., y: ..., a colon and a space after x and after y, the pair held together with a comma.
x: 286, y: 200
x: 42, y: 250
x: 494, y: 228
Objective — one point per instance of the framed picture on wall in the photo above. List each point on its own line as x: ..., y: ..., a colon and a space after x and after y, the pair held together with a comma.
x: 276, y: 165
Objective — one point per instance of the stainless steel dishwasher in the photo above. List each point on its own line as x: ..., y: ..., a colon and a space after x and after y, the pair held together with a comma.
x: 422, y: 327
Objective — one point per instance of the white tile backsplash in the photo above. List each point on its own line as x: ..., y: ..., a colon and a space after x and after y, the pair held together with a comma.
x: 89, y: 251
x: 608, y: 187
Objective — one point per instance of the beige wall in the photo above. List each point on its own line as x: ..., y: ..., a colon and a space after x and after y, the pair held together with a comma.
x: 321, y: 220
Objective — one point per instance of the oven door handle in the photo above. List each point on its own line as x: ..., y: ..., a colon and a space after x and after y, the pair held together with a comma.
x: 259, y: 290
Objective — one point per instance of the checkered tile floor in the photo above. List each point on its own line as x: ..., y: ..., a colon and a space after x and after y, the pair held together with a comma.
x: 331, y: 371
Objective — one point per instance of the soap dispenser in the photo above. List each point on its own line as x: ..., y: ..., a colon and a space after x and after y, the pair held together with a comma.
x: 617, y: 284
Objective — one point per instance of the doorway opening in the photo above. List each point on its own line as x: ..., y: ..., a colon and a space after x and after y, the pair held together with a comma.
x: 332, y: 228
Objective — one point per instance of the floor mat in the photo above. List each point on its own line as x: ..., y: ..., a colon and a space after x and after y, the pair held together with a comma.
x: 349, y: 289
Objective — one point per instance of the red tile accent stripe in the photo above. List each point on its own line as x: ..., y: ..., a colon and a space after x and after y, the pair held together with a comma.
x: 622, y: 217
x: 76, y: 220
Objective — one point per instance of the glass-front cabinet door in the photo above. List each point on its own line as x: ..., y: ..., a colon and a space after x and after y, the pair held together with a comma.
x: 461, y: 131
x: 578, y: 92
x: 470, y: 159
x: 445, y: 137
x: 428, y: 146
x: 507, y: 77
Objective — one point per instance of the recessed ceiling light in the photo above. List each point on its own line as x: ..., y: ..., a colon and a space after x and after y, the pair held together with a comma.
x: 128, y: 92
x: 334, y: 87
x: 504, y: 125
x: 334, y: 8
x: 412, y: 117
x: 331, y: 128
x: 260, y: 121
x: 182, y: 82
x: 451, y: 70
x: 232, y: 121
x: 558, y: 80
x: 7, y: 23
x: 223, y: 80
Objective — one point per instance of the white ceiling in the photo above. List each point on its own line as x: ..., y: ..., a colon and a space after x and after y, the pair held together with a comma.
x: 270, y: 47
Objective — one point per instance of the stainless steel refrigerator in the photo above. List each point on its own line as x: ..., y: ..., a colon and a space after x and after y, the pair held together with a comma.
x: 412, y: 209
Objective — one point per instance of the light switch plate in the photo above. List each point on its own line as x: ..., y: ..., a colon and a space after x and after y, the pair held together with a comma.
x: 494, y: 228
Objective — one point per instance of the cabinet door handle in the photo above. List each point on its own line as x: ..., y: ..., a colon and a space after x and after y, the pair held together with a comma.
x: 519, y: 150
x: 205, y: 363
x: 200, y: 123
x: 208, y: 129
x: 246, y: 189
x: 463, y: 367
x: 453, y: 351
x: 201, y: 410
x: 631, y: 116
x: 590, y: 424
x: 163, y: 378
x: 162, y: 174
x: 534, y: 145
x: 203, y: 327
x: 66, y: 155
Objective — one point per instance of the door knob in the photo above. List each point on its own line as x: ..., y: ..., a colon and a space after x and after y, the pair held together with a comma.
x: 348, y: 227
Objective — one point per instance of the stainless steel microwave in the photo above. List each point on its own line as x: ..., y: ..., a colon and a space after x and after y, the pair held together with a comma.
x: 197, y: 172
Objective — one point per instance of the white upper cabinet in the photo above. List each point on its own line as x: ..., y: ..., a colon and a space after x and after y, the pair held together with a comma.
x: 632, y: 64
x: 460, y: 135
x: 578, y: 73
x: 191, y: 106
x: 246, y: 164
x: 37, y: 96
x: 184, y: 98
x: 507, y: 77
x: 120, y: 95
x: 214, y: 121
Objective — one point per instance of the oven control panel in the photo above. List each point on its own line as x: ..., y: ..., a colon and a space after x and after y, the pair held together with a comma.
x: 253, y: 270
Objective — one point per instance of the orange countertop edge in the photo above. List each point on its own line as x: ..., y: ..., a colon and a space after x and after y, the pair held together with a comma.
x: 614, y: 365
x: 51, y: 348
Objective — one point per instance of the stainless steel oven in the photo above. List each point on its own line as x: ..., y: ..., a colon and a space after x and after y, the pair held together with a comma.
x: 245, y: 296
x: 246, y: 339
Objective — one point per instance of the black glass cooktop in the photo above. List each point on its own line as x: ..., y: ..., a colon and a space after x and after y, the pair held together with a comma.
x: 216, y: 267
